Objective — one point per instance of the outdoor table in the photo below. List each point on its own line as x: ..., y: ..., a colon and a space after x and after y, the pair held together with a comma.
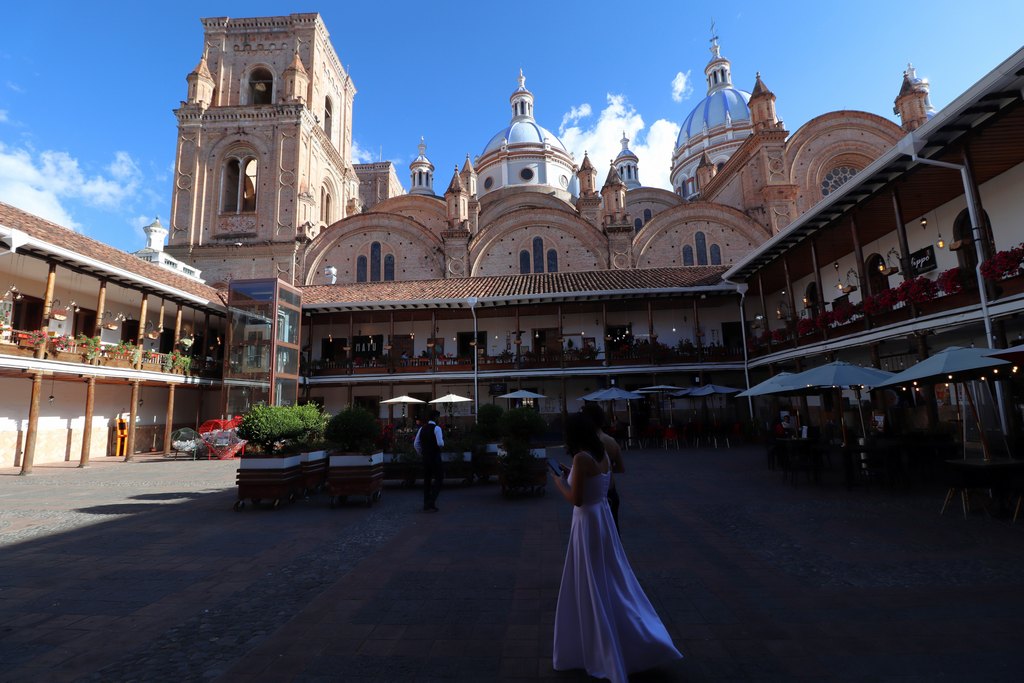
x: 800, y: 456
x: 997, y: 475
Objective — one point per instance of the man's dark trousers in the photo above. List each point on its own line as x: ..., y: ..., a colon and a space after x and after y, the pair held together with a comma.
x: 433, y: 480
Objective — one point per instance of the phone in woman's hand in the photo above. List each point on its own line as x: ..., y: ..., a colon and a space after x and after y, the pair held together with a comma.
x: 556, y: 468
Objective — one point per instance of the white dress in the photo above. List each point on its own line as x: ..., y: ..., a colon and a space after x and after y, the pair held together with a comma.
x: 603, y: 622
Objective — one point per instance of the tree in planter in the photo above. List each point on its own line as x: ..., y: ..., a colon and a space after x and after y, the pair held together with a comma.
x: 519, y: 469
x: 353, y: 430
x: 488, y: 422
x: 270, y: 428
x: 314, y: 424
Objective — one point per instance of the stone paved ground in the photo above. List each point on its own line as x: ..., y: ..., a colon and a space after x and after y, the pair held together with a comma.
x: 141, y: 571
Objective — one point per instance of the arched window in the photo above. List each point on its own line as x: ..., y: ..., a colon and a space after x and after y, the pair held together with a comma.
x: 877, y: 281
x: 552, y: 261
x: 239, y: 189
x: 389, y: 267
x: 835, y: 179
x: 647, y: 215
x: 967, y: 256
x: 524, y: 262
x: 361, y: 269
x: 702, y: 248
x: 261, y: 87
x: 637, y: 224
x: 375, y: 262
x: 811, y: 298
x: 716, y: 255
x: 538, y: 255
x: 328, y: 115
x: 325, y: 205
x: 687, y: 255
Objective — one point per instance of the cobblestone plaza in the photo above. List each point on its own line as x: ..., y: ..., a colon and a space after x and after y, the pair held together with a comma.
x: 141, y: 571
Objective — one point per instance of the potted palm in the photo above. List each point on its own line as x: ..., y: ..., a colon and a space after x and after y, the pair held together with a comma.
x: 356, y: 466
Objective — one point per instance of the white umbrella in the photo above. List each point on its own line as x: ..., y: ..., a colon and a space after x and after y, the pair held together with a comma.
x: 403, y: 399
x: 451, y: 398
x: 845, y: 376
x: 523, y: 393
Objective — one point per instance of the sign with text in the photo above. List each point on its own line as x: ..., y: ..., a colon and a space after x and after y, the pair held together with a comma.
x: 923, y: 261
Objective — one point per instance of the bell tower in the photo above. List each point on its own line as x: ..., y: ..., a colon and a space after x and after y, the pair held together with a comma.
x: 264, y: 149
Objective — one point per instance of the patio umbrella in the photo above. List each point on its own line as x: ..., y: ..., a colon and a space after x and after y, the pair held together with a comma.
x: 404, y: 400
x: 711, y: 389
x: 955, y: 364
x: 451, y: 398
x: 843, y: 376
x: 660, y: 389
x: 767, y: 387
x: 611, y: 394
x: 1014, y: 354
x: 523, y: 393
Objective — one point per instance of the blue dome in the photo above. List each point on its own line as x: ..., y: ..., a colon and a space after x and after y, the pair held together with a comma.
x: 523, y: 132
x: 711, y: 112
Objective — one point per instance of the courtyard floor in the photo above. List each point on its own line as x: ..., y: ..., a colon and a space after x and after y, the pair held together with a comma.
x: 142, y: 571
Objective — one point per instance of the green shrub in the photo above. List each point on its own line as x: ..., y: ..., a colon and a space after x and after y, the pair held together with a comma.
x: 488, y: 422
x: 353, y: 430
x: 314, y: 422
x: 522, y: 424
x: 270, y: 427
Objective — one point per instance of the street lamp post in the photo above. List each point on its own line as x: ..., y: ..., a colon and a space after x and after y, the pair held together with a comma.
x: 473, y: 301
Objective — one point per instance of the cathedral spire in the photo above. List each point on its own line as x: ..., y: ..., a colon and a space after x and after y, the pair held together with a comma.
x: 719, y: 70
x: 421, y: 172
x: 627, y: 165
x: 522, y: 101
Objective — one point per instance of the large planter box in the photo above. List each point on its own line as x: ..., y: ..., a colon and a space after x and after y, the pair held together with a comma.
x: 268, y: 478
x: 65, y: 356
x: 458, y: 466
x: 17, y: 350
x: 314, y: 470
x: 355, y: 474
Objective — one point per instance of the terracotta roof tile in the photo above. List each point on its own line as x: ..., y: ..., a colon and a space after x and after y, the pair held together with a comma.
x: 54, y: 234
x: 513, y: 286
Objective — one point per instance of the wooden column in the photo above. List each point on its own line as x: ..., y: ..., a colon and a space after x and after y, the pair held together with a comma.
x: 790, y: 302
x: 31, y: 432
x: 142, y: 330
x: 901, y: 234
x: 561, y: 343
x: 133, y: 413
x: 101, y: 308
x: 699, y: 338
x: 650, y: 329
x: 169, y: 419
x: 90, y: 401
x: 177, y: 327
x: 764, y: 306
x: 820, y: 307
x: 862, y: 276
x: 51, y: 280
x: 159, y: 327
x: 519, y: 339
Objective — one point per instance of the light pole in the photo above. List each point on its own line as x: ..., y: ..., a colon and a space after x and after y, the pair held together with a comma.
x: 473, y: 301
x: 908, y: 147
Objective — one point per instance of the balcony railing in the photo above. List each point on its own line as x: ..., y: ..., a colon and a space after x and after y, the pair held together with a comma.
x: 88, y: 351
x: 529, y: 360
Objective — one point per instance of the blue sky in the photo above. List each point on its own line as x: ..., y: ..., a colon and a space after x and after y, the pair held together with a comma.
x: 87, y: 134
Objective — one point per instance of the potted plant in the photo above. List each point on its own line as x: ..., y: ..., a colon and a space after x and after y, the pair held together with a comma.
x: 90, y: 347
x: 1003, y: 264
x: 918, y: 290
x: 356, y: 467
x: 950, y: 281
x: 522, y: 468
x: 806, y: 326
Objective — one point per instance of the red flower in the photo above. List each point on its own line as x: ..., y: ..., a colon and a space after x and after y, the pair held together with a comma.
x: 880, y: 303
x: 1003, y: 264
x: 950, y: 281
x: 805, y: 326
x: 917, y: 291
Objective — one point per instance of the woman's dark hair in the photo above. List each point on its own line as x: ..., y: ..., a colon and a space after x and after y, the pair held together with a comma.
x: 596, y: 415
x: 581, y: 435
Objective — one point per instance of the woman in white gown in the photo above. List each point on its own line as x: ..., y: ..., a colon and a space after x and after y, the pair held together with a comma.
x: 603, y: 622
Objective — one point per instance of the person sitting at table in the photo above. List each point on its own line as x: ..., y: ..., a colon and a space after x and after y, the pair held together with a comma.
x: 781, y: 430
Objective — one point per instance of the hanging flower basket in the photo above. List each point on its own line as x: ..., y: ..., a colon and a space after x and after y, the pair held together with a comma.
x: 950, y: 281
x: 1003, y: 264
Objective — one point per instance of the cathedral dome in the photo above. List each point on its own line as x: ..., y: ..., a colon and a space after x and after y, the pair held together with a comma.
x: 523, y: 132
x: 525, y: 153
x: 721, y: 107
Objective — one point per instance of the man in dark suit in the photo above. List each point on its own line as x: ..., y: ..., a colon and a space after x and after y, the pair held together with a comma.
x: 428, y: 443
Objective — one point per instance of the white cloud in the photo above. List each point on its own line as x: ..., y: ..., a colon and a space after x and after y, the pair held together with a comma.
x: 360, y: 155
x: 43, y: 183
x: 682, y: 86
x: 3, y: 115
x: 15, y: 87
x: 601, y: 140
x: 574, y: 115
